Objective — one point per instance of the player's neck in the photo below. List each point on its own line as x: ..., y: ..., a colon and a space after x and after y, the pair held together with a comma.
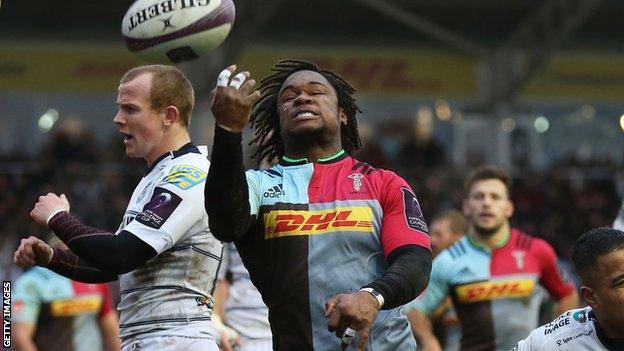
x: 171, y: 142
x: 612, y: 332
x: 492, y: 241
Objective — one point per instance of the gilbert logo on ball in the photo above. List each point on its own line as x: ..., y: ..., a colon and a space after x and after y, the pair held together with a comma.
x: 176, y: 30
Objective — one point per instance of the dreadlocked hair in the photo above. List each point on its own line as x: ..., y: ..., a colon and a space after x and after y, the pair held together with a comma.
x: 265, y: 118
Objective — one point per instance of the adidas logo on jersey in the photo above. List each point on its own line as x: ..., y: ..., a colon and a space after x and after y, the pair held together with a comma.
x: 275, y: 191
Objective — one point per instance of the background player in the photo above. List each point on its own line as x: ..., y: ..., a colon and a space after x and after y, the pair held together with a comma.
x: 239, y: 304
x: 333, y: 225
x: 446, y: 228
x: 51, y: 312
x: 491, y: 273
x: 599, y: 258
x: 164, y: 252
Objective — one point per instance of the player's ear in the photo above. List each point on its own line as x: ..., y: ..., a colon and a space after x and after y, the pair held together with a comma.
x: 589, y: 296
x: 171, y: 114
x: 342, y: 116
x: 510, y: 208
x: 465, y: 208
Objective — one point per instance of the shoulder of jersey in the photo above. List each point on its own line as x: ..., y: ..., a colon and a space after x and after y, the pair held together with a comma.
x: 363, y: 168
x: 273, y: 172
x: 186, y: 171
x: 571, y: 321
x: 38, y: 273
x: 524, y: 241
x: 458, y: 250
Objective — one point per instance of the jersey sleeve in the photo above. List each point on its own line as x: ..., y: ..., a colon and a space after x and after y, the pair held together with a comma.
x: 26, y: 300
x: 403, y: 222
x: 176, y: 205
x: 254, y: 186
x: 225, y: 262
x: 436, y: 291
x: 525, y: 345
x: 551, y: 277
x: 107, y: 300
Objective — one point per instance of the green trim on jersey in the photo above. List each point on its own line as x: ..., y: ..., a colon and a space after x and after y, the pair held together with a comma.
x: 320, y: 160
x: 486, y: 249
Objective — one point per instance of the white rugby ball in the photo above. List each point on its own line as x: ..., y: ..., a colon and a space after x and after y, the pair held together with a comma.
x: 164, y: 31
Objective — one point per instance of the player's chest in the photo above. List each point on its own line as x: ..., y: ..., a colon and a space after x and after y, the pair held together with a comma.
x: 512, y: 274
x: 305, y: 185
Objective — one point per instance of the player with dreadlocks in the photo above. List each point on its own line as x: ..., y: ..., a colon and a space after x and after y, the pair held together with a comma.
x: 331, y: 242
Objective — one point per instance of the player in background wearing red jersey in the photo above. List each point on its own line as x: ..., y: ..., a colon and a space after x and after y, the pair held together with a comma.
x: 491, y: 273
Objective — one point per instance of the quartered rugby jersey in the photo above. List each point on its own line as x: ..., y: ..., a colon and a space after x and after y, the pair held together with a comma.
x: 494, y: 293
x: 66, y: 314
x: 167, y: 212
x: 574, y: 330
x: 324, y: 229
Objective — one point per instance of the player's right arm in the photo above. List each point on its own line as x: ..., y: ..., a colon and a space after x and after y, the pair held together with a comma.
x: 420, y: 310
x: 534, y: 342
x: 423, y: 331
x: 23, y: 334
x: 226, y: 190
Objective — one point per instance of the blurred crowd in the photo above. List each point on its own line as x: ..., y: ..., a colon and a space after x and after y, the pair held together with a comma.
x: 557, y: 204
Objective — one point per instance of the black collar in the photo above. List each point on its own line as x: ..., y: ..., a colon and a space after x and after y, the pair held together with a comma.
x: 185, y: 149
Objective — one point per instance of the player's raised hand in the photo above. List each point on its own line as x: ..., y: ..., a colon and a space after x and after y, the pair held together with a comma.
x: 233, y: 98
x: 47, y: 207
x: 356, y: 311
x: 32, y: 251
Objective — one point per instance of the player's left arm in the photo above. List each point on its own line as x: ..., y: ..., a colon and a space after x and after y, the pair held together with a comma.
x: 407, y: 249
x: 563, y: 291
x: 104, y: 250
x: 406, y: 245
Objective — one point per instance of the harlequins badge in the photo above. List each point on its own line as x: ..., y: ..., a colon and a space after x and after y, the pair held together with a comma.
x: 357, y: 181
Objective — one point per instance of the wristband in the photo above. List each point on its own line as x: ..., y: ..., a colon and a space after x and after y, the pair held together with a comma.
x: 376, y: 295
x: 54, y: 213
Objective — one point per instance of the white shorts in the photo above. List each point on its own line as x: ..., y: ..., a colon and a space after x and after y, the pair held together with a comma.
x: 256, y: 345
x: 191, y: 337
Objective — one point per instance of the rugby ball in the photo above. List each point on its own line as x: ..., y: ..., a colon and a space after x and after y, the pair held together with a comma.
x: 173, y: 31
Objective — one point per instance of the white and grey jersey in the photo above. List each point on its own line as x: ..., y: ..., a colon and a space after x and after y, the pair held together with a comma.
x: 167, y: 212
x: 574, y: 330
x: 244, y: 310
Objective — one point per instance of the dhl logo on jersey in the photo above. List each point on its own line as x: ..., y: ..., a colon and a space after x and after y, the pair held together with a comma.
x: 72, y: 307
x: 492, y: 290
x: 279, y: 223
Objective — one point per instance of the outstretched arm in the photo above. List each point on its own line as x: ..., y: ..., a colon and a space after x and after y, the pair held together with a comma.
x: 226, y: 192
x: 33, y: 251
x: 116, y: 254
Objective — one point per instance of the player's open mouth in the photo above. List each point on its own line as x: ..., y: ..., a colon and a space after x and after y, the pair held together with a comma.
x: 304, y: 115
x: 127, y: 137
